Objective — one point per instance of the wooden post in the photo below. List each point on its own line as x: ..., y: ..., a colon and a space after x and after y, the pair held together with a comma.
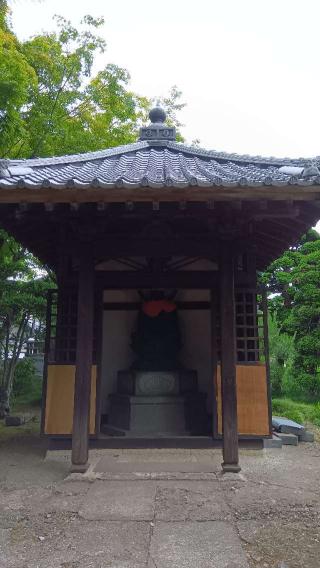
x: 214, y: 361
x: 267, y: 352
x: 228, y: 361
x: 84, y: 347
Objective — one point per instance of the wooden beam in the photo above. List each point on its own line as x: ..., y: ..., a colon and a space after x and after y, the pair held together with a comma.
x: 84, y: 348
x: 134, y: 306
x: 167, y: 194
x: 183, y: 279
x: 228, y: 361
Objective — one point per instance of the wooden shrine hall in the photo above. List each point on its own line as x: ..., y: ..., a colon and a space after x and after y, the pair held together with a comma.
x: 157, y: 328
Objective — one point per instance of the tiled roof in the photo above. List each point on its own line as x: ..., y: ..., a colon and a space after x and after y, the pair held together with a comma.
x: 162, y: 164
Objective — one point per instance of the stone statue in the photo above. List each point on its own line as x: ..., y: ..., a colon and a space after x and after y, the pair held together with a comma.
x: 157, y: 396
x: 156, y: 340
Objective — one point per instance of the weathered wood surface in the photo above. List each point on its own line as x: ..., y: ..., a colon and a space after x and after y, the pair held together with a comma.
x: 84, y: 349
x: 228, y: 361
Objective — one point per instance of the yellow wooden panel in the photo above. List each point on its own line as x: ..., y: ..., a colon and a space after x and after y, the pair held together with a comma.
x: 252, y: 400
x: 59, y: 400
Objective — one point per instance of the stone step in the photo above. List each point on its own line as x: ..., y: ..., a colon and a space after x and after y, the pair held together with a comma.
x: 287, y: 439
x: 306, y: 436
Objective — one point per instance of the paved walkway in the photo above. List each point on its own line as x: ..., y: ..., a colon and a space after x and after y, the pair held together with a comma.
x: 164, y: 509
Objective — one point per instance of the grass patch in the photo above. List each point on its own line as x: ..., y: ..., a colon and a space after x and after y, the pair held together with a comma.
x: 28, y: 398
x: 31, y: 428
x: 27, y: 402
x: 302, y: 412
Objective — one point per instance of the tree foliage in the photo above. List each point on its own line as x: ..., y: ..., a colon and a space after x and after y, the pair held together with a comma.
x: 51, y: 103
x: 294, y: 278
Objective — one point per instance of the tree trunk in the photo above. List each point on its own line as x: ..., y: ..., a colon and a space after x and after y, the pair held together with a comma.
x: 10, y: 363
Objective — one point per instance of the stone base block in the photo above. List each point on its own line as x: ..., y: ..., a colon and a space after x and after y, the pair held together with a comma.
x: 146, y: 415
x: 79, y: 468
x: 306, y: 436
x: 288, y: 439
x: 274, y: 442
x: 157, y: 415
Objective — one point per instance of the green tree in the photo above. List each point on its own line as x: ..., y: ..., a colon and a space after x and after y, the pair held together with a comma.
x: 23, y: 287
x: 52, y: 104
x: 281, y: 347
x: 16, y: 79
x: 295, y: 280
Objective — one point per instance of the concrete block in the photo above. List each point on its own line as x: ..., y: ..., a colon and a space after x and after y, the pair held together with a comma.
x: 306, y: 436
x: 287, y: 439
x: 14, y: 420
x: 274, y: 442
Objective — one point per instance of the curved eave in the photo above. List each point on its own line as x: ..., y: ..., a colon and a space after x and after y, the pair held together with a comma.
x: 243, y: 184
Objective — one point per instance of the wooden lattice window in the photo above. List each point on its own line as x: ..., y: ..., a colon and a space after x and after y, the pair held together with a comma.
x: 249, y: 327
x: 62, y: 339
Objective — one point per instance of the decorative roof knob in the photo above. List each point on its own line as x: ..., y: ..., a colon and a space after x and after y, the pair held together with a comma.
x: 157, y: 115
x: 157, y: 133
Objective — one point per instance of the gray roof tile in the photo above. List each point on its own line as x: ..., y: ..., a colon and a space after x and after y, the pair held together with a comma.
x: 170, y: 165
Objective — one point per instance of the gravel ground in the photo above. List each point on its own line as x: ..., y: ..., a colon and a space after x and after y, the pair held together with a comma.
x: 269, y: 519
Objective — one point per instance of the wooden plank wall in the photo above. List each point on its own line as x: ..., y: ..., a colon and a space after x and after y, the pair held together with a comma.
x: 253, y: 417
x: 60, y: 399
x: 252, y: 403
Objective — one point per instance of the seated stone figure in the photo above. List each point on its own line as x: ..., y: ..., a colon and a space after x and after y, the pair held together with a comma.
x: 157, y: 396
x: 156, y: 341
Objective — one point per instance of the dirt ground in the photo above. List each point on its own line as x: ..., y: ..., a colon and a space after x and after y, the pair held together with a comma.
x: 159, y: 509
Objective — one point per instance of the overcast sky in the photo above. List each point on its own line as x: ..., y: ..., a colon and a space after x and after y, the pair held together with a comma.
x: 248, y: 69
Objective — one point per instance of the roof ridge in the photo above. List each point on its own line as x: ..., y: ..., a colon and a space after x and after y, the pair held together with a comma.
x: 173, y: 145
x: 234, y: 157
x: 82, y: 157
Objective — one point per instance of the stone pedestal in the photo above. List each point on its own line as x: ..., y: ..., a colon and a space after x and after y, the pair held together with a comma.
x: 151, y: 403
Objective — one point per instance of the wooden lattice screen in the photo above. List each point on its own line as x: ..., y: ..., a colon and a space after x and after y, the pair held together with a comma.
x: 62, y: 329
x: 250, y: 341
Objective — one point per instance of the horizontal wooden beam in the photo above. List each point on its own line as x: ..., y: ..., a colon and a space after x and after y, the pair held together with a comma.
x: 193, y: 279
x: 164, y: 194
x: 134, y: 306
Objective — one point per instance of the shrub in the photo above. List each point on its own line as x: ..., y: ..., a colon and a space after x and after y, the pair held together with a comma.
x: 24, y: 377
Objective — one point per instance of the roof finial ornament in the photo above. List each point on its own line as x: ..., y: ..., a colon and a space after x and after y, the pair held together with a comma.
x: 157, y: 115
x: 157, y: 133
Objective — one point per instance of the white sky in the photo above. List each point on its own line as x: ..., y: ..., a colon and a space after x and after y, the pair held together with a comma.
x: 248, y: 69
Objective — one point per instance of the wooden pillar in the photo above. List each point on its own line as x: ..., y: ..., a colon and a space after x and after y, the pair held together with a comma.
x: 228, y: 361
x: 267, y: 352
x: 214, y: 361
x: 84, y: 347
